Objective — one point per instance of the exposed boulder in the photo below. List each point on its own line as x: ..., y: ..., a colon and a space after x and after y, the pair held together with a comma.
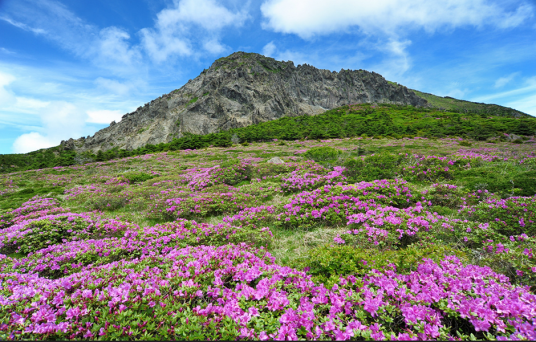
x: 276, y: 160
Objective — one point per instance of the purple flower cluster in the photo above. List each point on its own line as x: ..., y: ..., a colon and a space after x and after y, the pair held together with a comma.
x: 201, y: 204
x: 34, y: 208
x: 389, y: 225
x: 299, y: 180
x: 216, y: 286
x: 34, y: 234
x: 72, y: 257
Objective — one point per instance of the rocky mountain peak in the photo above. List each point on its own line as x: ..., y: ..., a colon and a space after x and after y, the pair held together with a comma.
x: 243, y: 89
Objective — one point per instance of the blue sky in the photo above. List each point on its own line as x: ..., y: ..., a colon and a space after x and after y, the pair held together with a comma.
x: 70, y: 67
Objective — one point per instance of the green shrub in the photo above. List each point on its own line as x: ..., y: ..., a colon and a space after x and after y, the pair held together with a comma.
x: 512, y: 216
x: 234, y: 171
x: 107, y: 202
x: 322, y: 154
x: 263, y: 190
x: 512, y: 257
x: 269, y: 169
x: 377, y: 166
x: 327, y: 263
x: 464, y: 143
x: 136, y: 176
x: 446, y: 195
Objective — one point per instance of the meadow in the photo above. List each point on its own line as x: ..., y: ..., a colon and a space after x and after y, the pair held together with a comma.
x: 349, y: 238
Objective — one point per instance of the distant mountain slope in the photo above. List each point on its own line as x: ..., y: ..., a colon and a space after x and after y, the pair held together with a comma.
x: 455, y: 105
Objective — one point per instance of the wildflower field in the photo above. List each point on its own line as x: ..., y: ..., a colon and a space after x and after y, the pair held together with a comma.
x: 353, y: 238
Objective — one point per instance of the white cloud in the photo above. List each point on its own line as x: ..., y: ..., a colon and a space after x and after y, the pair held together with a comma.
x: 32, y: 141
x: 104, y: 116
x: 521, y: 98
x: 112, y: 46
x: 208, y: 14
x: 214, y: 46
x: 162, y: 45
x: 6, y: 51
x: 26, y: 104
x: 502, y: 81
x: 60, y: 121
x: 526, y: 104
x: 457, y: 93
x: 308, y: 18
x: 269, y: 49
x: 174, y: 26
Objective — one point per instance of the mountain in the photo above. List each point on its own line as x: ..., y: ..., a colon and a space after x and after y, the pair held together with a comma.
x: 240, y: 90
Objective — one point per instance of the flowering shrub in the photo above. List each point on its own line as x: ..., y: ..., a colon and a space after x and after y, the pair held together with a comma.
x: 233, y: 292
x: 387, y: 226
x: 427, y: 168
x: 263, y: 191
x: 229, y: 173
x: 447, y: 195
x: 81, y: 193
x: 512, y: 256
x: 201, y: 205
x: 511, y: 216
x: 333, y: 204
x: 72, y: 257
x: 36, y: 207
x: 263, y: 213
x: 299, y: 181
x: 32, y: 235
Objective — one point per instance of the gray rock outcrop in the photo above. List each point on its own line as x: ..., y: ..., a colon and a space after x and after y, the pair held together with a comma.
x: 240, y: 90
x: 276, y: 160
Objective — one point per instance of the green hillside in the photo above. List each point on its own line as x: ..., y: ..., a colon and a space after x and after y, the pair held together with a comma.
x: 348, y: 121
x: 462, y: 106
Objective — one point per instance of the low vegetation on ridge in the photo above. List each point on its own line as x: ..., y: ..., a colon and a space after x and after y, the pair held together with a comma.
x: 364, y: 120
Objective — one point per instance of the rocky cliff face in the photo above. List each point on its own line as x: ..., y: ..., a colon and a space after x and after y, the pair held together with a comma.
x: 240, y: 90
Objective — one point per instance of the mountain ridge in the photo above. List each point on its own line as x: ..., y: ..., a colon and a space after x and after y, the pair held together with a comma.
x: 240, y: 90
x: 248, y: 88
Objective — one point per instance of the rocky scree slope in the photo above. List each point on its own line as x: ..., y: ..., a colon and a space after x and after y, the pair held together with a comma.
x: 240, y: 90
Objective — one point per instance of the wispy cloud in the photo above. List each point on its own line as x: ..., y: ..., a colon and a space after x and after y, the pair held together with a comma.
x: 502, y: 81
x: 23, y: 26
x: 107, y: 48
x: 529, y: 86
x: 6, y: 96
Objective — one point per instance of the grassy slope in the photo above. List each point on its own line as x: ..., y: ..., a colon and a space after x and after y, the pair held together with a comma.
x: 452, y: 104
